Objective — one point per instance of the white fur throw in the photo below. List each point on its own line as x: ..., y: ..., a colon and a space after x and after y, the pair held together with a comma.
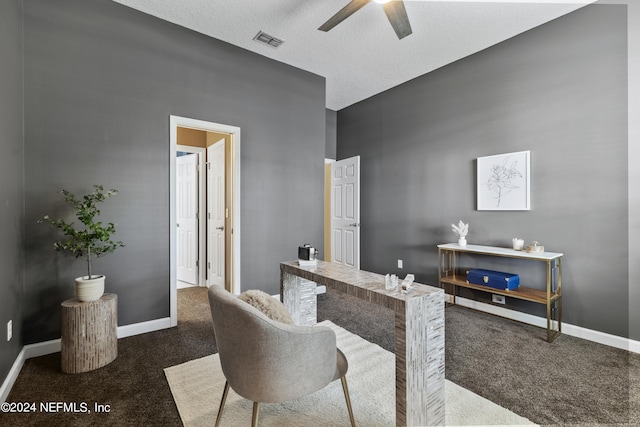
x: 267, y: 304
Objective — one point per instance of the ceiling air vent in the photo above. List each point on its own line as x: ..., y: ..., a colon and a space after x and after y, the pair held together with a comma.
x: 265, y: 38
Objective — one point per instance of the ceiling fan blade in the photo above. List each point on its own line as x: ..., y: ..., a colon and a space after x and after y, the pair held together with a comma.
x: 352, y: 7
x: 397, y: 15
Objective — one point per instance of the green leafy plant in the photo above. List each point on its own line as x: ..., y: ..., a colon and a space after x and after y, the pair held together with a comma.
x: 94, y: 238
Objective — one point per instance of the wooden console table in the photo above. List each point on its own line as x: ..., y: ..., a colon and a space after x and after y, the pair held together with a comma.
x: 89, y: 334
x: 419, y: 330
x: 452, y: 273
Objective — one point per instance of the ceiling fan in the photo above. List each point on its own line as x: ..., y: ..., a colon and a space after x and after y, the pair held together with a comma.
x: 394, y: 9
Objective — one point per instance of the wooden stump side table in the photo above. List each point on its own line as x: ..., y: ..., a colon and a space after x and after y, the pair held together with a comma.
x: 89, y: 334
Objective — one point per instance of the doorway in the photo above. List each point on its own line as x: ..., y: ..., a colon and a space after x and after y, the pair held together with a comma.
x: 230, y: 225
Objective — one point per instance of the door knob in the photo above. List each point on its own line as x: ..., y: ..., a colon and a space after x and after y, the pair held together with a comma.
x: 220, y: 228
x: 355, y: 224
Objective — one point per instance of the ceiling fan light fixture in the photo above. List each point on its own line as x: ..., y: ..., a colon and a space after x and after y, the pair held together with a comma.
x: 395, y: 11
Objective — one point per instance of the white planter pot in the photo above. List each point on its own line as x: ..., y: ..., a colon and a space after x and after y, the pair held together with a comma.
x: 89, y: 289
x: 462, y: 241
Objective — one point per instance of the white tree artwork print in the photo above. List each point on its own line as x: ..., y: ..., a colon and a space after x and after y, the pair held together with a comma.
x: 503, y: 182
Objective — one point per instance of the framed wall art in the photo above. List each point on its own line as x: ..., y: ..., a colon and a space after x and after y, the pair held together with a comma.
x: 504, y: 182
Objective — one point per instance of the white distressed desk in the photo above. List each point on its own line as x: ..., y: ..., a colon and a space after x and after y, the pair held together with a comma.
x: 419, y: 330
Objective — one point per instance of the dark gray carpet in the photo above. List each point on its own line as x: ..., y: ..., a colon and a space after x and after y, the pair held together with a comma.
x: 568, y: 382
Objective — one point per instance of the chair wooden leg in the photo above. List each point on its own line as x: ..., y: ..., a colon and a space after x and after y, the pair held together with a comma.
x: 256, y: 412
x: 346, y: 397
x: 224, y: 399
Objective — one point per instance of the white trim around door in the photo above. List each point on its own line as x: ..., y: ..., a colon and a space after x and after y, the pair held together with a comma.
x: 174, y: 123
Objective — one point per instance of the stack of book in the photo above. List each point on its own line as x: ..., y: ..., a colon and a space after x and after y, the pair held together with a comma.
x: 308, y: 263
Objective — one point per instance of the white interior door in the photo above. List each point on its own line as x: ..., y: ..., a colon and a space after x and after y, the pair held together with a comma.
x: 187, y: 218
x: 216, y: 214
x: 345, y: 212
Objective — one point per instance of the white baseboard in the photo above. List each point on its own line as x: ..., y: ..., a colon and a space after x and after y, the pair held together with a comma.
x: 27, y: 352
x: 602, y: 338
x: 567, y: 328
x: 41, y: 348
x: 11, y: 377
x: 53, y: 346
x: 144, y: 327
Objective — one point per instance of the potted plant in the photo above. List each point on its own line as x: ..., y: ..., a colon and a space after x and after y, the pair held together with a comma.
x: 91, y: 240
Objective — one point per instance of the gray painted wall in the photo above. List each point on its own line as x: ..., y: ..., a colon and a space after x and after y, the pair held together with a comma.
x: 633, y: 10
x: 559, y: 90
x: 11, y: 182
x: 331, y: 135
x: 633, y: 48
x: 101, y: 82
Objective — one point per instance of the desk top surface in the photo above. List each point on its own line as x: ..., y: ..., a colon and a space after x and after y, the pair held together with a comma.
x: 338, y: 276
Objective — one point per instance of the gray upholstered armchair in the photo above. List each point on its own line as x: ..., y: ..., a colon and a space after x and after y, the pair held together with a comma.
x: 268, y: 361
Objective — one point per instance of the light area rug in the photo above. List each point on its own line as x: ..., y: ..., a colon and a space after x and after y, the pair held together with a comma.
x: 197, y: 389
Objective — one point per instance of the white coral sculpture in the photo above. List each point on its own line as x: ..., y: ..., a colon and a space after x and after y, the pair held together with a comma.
x: 461, y: 229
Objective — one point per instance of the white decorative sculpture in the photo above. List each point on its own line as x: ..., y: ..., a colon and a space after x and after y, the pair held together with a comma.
x: 461, y: 230
x: 406, y: 283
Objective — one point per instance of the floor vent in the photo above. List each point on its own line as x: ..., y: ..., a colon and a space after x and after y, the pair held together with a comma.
x: 265, y: 38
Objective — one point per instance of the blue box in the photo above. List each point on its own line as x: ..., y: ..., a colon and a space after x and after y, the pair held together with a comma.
x: 493, y: 279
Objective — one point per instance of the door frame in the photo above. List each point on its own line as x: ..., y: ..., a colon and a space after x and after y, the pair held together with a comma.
x: 174, y: 123
x: 202, y: 236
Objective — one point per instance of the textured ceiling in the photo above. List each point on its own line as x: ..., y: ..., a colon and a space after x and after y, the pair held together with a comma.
x: 361, y: 56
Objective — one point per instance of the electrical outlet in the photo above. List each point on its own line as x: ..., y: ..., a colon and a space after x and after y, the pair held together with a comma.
x: 500, y: 299
x: 399, y: 263
x: 9, y: 330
